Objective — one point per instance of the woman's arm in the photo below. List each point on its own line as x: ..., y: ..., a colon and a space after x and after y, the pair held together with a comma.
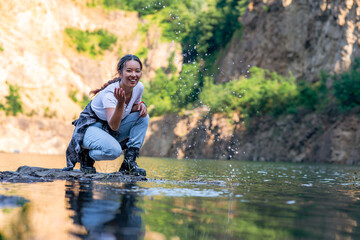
x: 114, y: 115
x: 141, y: 107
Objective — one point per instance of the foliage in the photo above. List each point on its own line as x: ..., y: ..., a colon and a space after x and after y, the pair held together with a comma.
x: 93, y: 43
x: 142, y: 53
x: 157, y: 94
x: 347, y: 87
x: 13, y: 104
x: 187, y: 86
x: 1, y: 48
x: 263, y: 93
x: 212, y: 29
x: 49, y: 113
x: 83, y: 102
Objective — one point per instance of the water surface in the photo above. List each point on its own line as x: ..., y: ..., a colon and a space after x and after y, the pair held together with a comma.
x: 186, y: 199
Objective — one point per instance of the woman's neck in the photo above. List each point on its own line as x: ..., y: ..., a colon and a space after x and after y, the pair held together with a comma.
x: 127, y: 90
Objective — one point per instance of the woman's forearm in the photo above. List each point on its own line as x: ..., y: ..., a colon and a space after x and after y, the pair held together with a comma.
x: 116, y: 117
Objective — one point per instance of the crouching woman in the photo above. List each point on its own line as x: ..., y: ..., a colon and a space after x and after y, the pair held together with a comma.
x: 116, y: 120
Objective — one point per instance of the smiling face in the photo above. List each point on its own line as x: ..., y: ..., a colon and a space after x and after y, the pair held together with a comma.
x: 130, y: 74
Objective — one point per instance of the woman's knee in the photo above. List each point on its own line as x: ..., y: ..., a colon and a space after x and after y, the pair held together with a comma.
x: 113, y: 153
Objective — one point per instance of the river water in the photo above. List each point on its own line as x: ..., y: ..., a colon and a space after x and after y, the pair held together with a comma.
x: 185, y: 199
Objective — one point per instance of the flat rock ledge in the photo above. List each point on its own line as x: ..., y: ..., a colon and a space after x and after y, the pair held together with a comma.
x: 26, y: 174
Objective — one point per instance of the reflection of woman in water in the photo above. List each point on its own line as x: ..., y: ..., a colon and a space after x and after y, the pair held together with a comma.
x: 104, y: 218
x: 115, y: 120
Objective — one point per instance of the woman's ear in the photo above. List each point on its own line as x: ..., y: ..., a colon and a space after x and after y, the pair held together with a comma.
x: 120, y: 74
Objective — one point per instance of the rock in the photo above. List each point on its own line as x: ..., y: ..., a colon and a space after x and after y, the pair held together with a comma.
x: 28, y: 174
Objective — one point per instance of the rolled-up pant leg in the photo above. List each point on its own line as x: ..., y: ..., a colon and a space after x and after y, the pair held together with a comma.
x: 102, y: 145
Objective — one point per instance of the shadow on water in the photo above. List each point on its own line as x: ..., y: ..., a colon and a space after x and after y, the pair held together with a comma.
x: 103, y: 212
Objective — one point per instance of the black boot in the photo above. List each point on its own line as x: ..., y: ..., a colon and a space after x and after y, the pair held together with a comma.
x: 87, y: 163
x: 129, y: 166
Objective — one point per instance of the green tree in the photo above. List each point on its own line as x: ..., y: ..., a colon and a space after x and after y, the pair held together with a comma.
x: 13, y: 101
x: 188, y: 86
x: 347, y: 87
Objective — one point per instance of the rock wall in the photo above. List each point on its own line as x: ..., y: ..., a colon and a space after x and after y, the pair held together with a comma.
x: 37, y: 55
x: 34, y: 135
x: 302, y: 37
x: 311, y: 138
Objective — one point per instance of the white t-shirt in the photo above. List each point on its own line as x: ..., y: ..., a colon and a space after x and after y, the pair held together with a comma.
x: 105, y: 99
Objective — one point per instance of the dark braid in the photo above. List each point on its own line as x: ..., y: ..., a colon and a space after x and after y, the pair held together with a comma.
x: 119, y: 68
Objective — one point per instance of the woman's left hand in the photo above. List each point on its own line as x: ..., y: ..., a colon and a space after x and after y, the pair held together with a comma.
x: 142, y: 109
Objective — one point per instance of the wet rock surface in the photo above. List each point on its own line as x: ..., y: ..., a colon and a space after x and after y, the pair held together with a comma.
x: 27, y: 174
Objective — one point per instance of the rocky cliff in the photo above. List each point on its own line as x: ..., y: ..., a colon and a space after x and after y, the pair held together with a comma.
x: 310, y: 138
x: 302, y: 37
x: 37, y: 56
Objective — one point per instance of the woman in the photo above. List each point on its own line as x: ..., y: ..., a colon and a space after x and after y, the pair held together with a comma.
x: 115, y: 120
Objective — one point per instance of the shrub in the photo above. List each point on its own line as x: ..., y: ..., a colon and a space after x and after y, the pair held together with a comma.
x: 83, y: 102
x: 92, y: 43
x: 187, y: 86
x: 347, y: 87
x: 142, y: 53
x: 49, y: 113
x: 263, y: 93
x: 157, y: 94
x: 13, y: 104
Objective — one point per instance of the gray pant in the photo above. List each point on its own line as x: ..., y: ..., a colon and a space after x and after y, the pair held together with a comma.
x: 103, y: 146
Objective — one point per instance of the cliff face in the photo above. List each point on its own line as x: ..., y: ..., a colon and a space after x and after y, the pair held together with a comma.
x: 302, y: 37
x: 312, y: 138
x: 38, y: 57
x: 35, y: 54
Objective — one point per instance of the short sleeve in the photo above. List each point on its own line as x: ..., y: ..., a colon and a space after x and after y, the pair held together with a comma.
x: 109, y: 101
x: 139, y: 93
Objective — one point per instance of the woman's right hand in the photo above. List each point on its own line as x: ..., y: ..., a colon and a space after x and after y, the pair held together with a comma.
x: 119, y: 94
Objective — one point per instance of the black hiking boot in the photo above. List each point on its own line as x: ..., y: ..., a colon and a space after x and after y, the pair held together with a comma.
x: 129, y: 166
x: 87, y: 163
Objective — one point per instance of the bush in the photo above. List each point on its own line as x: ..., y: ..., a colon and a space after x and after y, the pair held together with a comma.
x: 347, y: 87
x: 187, y: 86
x: 93, y: 43
x: 158, y: 93
x: 142, y: 53
x: 263, y: 93
x: 13, y: 104
x: 82, y: 103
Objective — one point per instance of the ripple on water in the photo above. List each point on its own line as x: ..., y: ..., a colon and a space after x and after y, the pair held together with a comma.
x: 182, y: 192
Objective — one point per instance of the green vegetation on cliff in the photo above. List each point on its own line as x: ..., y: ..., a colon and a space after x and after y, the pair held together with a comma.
x: 13, y: 103
x: 83, y: 102
x: 347, y: 87
x: 263, y: 93
x: 93, y: 43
